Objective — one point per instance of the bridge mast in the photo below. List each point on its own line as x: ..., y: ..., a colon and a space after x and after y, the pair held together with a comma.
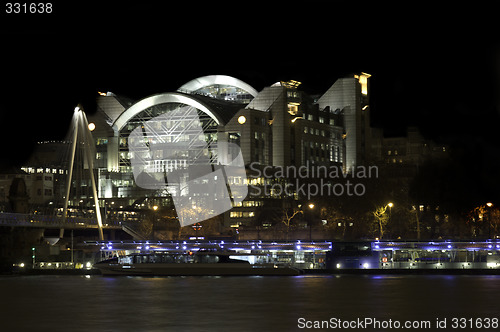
x: 80, y: 123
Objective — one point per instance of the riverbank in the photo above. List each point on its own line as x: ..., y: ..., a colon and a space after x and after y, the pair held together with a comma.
x: 305, y: 272
x: 405, y: 271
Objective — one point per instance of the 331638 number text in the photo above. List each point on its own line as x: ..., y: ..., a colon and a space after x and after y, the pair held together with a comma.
x: 28, y: 8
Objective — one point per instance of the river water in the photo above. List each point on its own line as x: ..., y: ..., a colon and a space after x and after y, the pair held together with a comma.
x: 97, y: 303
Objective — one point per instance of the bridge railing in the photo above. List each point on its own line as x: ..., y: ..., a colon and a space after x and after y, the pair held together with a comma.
x: 38, y: 220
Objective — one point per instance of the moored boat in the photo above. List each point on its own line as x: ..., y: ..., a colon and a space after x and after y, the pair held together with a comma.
x: 188, y: 264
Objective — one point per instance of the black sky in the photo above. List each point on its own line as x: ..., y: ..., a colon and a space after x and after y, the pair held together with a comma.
x: 435, y: 68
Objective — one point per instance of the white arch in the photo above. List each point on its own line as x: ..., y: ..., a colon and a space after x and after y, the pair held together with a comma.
x: 170, y: 97
x: 204, y: 81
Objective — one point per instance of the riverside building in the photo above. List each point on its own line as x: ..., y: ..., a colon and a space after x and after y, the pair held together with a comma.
x: 280, y: 126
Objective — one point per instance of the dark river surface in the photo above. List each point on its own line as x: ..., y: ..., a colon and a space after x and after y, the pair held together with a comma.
x: 97, y: 303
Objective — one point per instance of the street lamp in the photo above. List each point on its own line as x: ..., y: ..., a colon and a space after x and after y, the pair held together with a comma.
x: 489, y: 204
x: 155, y: 219
x: 311, y: 206
x: 390, y: 205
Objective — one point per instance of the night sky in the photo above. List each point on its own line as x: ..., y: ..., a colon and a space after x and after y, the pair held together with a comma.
x: 437, y: 68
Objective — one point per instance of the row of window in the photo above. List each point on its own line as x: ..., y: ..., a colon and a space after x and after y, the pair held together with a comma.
x: 259, y: 121
x: 310, y: 117
x: 316, y: 145
x: 31, y: 170
x: 46, y: 192
x: 241, y: 214
x: 313, y: 131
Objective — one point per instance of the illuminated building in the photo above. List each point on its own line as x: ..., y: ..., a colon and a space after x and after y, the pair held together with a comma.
x: 278, y: 126
x: 349, y: 96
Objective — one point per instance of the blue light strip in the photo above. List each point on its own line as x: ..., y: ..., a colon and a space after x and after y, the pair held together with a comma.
x: 214, y: 245
x: 298, y: 245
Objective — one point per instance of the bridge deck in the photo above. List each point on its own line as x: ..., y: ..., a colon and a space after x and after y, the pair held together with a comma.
x: 44, y: 221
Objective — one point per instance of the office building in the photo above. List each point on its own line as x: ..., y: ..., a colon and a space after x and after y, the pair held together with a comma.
x: 279, y: 126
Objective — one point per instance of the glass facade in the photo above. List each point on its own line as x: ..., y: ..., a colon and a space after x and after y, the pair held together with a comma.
x: 176, y: 129
x: 225, y: 92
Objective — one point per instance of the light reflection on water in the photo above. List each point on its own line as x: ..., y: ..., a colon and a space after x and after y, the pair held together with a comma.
x: 80, y: 303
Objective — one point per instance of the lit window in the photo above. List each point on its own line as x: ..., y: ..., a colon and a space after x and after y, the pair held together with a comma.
x: 363, y: 80
x: 293, y: 109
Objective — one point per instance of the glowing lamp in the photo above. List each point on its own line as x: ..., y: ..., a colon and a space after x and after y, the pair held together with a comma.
x: 242, y: 119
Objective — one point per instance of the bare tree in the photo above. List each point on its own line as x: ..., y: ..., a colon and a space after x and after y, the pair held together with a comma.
x: 381, y: 218
x: 288, y: 215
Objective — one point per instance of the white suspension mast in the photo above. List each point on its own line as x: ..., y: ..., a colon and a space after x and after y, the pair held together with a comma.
x: 80, y: 123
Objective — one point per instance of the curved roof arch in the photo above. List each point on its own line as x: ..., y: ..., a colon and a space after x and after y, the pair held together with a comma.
x: 205, y: 81
x: 163, y: 98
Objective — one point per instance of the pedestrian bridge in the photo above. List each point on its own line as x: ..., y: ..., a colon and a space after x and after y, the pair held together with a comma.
x: 45, y: 221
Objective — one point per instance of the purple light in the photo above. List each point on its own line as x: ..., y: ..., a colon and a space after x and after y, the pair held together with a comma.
x: 377, y: 246
x: 298, y: 247
x: 449, y: 246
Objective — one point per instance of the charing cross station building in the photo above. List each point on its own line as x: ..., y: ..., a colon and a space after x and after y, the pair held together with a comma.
x: 280, y: 126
